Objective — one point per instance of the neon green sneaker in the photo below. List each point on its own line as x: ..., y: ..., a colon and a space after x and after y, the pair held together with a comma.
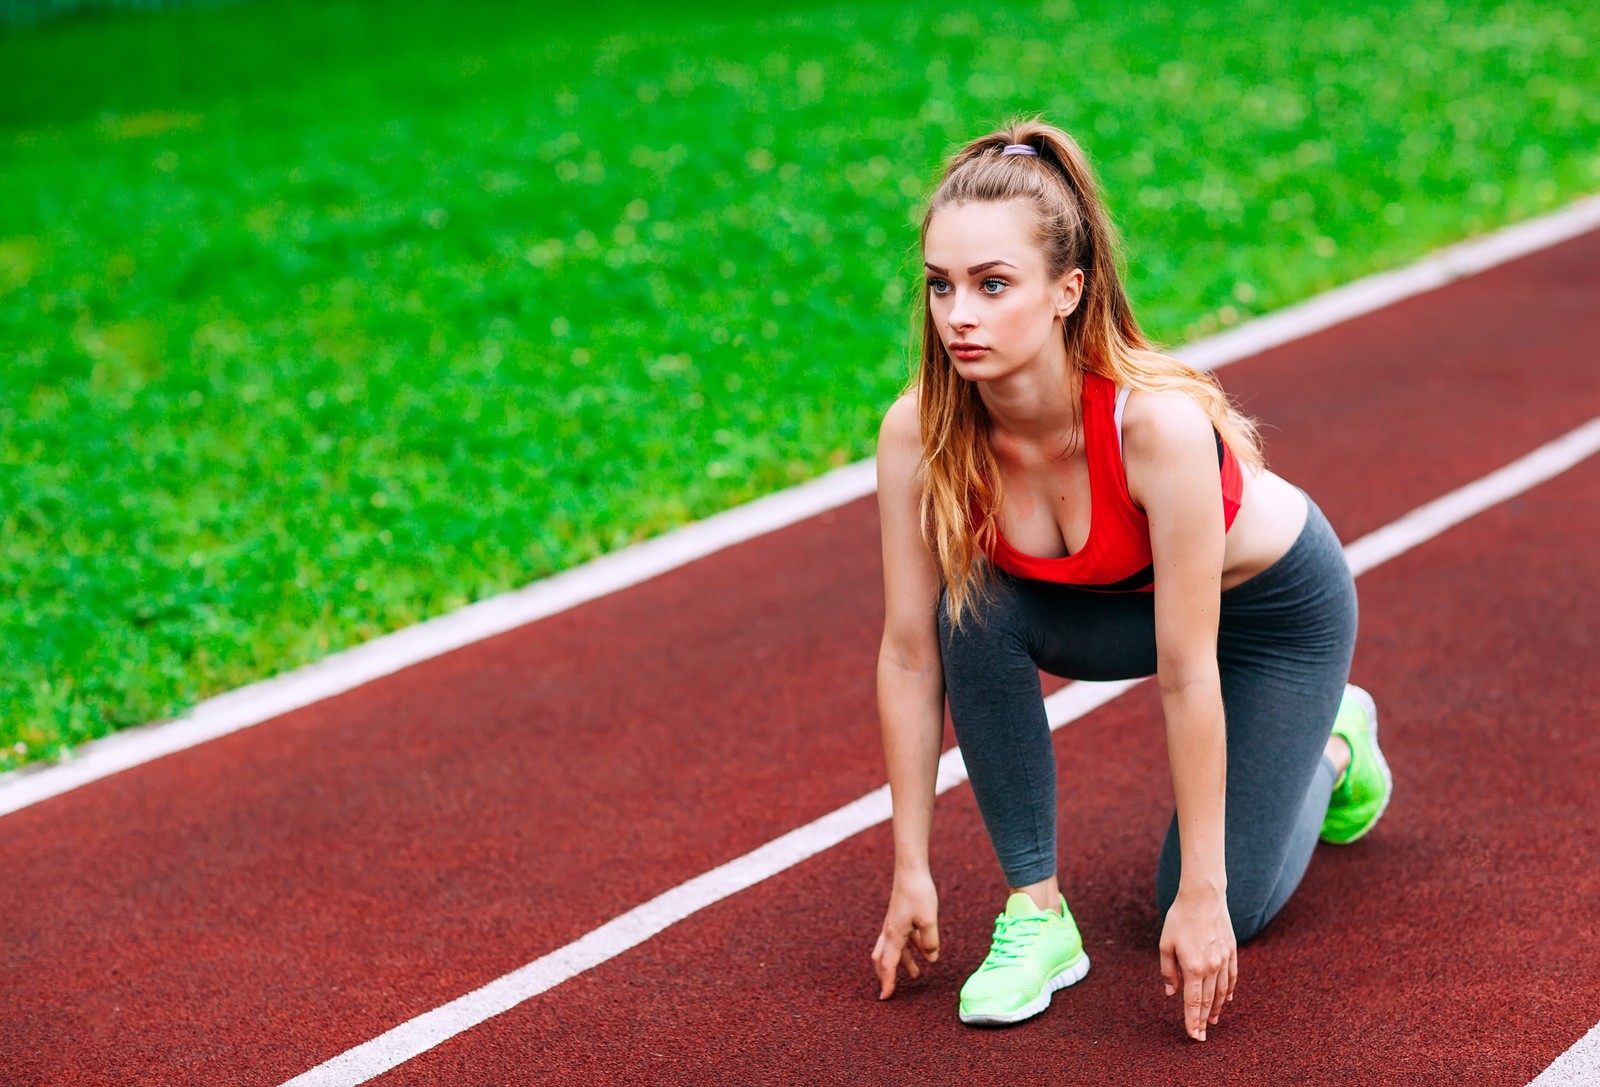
x: 1362, y: 793
x: 1035, y: 952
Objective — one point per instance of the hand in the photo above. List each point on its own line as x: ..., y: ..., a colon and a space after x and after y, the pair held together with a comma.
x: 1200, y: 957
x: 912, y: 920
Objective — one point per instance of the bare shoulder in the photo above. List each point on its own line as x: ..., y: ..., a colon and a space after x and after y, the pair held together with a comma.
x: 900, y: 438
x: 900, y: 422
x: 1158, y: 425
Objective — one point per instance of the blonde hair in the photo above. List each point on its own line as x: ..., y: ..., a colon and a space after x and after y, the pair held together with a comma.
x: 960, y: 504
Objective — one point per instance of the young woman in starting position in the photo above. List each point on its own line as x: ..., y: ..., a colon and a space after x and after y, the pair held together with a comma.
x: 1055, y: 494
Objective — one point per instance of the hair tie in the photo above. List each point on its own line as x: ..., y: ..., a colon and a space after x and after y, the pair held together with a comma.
x: 1019, y: 149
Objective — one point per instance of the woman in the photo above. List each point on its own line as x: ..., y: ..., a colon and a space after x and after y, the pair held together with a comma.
x: 1054, y: 494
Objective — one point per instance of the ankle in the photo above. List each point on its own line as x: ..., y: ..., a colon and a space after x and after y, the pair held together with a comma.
x: 1046, y: 894
x: 1338, y: 752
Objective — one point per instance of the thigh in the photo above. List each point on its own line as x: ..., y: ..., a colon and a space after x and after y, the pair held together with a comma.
x: 1077, y: 634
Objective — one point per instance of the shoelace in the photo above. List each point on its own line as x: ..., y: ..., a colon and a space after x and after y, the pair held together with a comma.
x: 1012, y: 935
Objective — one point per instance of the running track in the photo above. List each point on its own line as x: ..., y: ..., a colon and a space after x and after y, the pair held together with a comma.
x: 242, y: 911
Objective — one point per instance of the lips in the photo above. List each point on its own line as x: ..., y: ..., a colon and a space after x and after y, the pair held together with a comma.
x: 963, y: 350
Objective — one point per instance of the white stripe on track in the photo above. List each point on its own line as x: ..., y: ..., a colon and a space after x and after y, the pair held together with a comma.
x: 1426, y: 522
x: 1577, y: 1067
x: 401, y: 649
x: 1386, y: 288
x: 416, y: 1036
x: 390, y: 653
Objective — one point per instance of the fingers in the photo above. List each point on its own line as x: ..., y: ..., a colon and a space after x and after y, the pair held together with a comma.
x: 1206, y: 989
x: 1208, y: 999
x: 893, y: 952
x: 1225, y: 983
x: 1169, y: 969
x: 885, y: 956
x: 1195, y: 1006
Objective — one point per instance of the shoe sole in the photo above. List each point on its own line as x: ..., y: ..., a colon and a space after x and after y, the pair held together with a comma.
x: 1070, y: 974
x: 1371, y: 707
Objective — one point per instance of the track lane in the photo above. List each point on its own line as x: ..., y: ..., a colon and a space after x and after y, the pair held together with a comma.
x: 159, y: 929
x: 1457, y: 944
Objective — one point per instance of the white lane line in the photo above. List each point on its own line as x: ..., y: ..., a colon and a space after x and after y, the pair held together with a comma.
x: 373, y: 1058
x: 390, y: 653
x: 1386, y: 288
x: 395, y: 1047
x: 1426, y: 522
x: 343, y: 671
x: 1577, y: 1067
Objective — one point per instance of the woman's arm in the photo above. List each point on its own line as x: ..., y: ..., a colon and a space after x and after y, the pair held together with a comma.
x: 1171, y: 459
x: 910, y: 698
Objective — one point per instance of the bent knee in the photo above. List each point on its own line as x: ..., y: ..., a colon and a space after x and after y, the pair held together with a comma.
x: 1248, y: 921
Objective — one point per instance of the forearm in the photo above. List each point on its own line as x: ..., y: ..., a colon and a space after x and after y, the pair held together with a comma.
x: 1197, y: 752
x: 911, y: 717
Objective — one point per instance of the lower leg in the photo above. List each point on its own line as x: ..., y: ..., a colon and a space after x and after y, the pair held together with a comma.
x: 992, y: 687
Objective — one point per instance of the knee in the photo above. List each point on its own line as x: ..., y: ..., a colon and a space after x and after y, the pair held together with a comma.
x: 1250, y: 908
x: 1248, y: 920
x: 1248, y: 912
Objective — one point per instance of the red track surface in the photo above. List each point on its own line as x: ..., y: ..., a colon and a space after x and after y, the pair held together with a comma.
x: 242, y: 911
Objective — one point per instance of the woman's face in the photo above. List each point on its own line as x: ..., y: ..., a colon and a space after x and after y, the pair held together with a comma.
x: 989, y: 291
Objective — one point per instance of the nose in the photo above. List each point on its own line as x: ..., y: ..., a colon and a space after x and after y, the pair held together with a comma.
x: 960, y: 320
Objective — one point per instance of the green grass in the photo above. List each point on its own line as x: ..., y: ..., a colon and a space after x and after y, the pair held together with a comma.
x: 322, y: 319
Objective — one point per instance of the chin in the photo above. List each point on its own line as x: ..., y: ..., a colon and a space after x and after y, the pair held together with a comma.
x: 984, y: 369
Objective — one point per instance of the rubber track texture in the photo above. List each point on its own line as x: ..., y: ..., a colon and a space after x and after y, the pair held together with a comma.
x: 241, y: 911
x: 1456, y: 943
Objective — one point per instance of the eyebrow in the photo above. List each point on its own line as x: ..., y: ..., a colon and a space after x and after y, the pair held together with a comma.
x: 974, y: 270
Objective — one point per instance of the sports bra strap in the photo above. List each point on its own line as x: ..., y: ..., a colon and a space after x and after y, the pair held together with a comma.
x: 1122, y: 403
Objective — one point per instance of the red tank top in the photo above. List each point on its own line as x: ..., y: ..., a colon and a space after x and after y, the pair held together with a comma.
x: 1116, y: 557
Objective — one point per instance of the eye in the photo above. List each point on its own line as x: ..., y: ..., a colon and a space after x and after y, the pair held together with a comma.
x: 994, y: 285
x: 938, y: 286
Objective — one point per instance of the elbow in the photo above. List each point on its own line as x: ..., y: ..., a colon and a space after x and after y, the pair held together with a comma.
x: 910, y: 658
x: 1178, y: 679
x: 911, y: 664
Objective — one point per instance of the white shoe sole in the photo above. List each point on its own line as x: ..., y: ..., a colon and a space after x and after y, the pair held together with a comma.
x: 1071, y: 974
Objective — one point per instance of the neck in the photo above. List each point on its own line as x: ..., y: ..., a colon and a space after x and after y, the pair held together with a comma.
x: 1037, y: 404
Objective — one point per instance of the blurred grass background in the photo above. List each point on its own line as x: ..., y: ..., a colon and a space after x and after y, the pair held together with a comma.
x: 325, y: 318
x: 33, y: 12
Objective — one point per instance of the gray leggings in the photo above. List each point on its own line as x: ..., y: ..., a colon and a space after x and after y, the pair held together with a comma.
x: 1284, y: 643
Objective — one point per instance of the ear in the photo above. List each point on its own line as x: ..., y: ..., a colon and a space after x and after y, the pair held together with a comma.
x: 1069, y: 292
